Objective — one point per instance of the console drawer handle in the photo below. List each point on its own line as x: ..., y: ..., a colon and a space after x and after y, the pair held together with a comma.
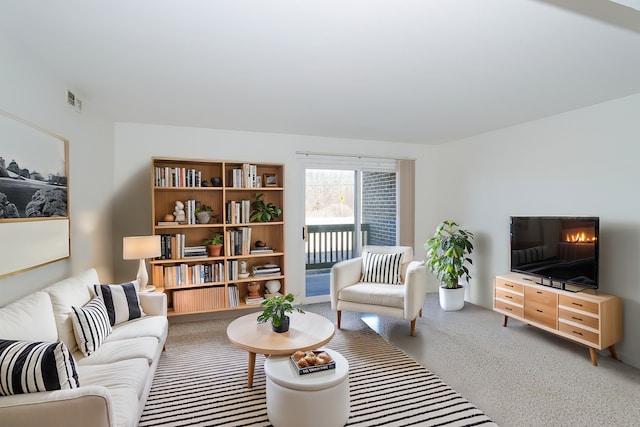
x: 578, y: 304
x: 577, y: 333
x: 508, y: 308
x: 576, y: 318
x: 508, y: 296
x: 539, y: 292
x: 538, y: 310
x: 506, y: 284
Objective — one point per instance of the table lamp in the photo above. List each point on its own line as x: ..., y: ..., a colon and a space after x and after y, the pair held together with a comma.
x: 141, y: 248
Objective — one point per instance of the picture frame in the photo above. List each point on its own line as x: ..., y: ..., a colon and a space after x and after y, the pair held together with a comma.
x: 270, y: 180
x: 33, y: 195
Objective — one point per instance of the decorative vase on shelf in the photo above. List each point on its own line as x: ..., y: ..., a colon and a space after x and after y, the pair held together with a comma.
x: 203, y: 217
x: 272, y: 286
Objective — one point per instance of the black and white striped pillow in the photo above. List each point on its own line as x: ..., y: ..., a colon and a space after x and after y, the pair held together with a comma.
x: 30, y: 367
x: 90, y: 325
x: 121, y: 301
x: 382, y: 268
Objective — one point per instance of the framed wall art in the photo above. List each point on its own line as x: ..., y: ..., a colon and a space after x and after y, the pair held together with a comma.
x: 34, y: 202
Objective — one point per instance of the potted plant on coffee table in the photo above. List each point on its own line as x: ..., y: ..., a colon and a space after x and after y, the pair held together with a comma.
x: 276, y: 309
x: 214, y: 244
x: 447, y: 258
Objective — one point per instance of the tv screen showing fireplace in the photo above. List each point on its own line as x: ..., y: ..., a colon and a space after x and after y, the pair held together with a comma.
x: 561, y: 250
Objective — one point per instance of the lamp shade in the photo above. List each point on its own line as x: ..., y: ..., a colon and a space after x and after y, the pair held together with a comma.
x: 140, y: 247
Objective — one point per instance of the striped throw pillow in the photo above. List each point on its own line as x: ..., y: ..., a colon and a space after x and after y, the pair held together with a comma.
x: 31, y: 367
x: 90, y: 325
x: 382, y: 268
x: 121, y: 301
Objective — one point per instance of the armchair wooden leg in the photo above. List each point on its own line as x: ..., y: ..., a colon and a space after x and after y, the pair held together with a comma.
x: 339, y: 318
x: 420, y: 312
x: 413, y: 328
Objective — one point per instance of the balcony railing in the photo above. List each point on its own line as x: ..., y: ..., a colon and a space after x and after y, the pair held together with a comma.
x: 331, y: 243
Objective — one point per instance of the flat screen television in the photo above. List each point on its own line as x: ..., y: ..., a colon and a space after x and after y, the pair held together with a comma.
x: 561, y: 250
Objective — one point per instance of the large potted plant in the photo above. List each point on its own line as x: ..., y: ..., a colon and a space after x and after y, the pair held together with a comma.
x: 448, y: 253
x: 276, y: 309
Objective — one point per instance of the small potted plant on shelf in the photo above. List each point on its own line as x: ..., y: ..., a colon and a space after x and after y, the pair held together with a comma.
x: 447, y: 256
x: 262, y: 211
x: 214, y: 244
x: 203, y: 214
x: 276, y: 309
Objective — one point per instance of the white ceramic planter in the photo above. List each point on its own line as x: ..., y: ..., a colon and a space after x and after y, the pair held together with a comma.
x: 451, y: 299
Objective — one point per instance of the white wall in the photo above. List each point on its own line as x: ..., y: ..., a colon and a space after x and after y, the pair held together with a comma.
x: 30, y: 91
x: 580, y: 163
x: 135, y: 144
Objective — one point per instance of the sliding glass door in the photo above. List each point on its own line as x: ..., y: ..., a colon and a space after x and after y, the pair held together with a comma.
x: 345, y: 208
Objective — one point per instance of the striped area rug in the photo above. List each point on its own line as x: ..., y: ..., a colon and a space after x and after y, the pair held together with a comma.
x: 202, y: 381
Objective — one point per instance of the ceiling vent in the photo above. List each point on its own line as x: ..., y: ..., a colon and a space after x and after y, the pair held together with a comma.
x: 73, y: 101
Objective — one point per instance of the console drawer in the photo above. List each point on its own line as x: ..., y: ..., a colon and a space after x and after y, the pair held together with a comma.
x: 516, y: 287
x: 509, y: 296
x: 509, y: 308
x: 541, y: 314
x: 572, y: 316
x: 579, y: 304
x: 580, y: 333
x: 541, y: 297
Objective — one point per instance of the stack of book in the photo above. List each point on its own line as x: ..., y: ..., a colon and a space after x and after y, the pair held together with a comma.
x: 195, y: 252
x: 262, y: 250
x: 253, y: 300
x: 266, y: 270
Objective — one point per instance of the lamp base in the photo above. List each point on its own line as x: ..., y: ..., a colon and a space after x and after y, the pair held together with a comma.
x: 143, y: 276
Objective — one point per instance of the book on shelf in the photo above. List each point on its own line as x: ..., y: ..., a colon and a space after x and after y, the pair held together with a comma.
x: 245, y: 176
x: 267, y: 295
x: 234, y: 295
x: 253, y: 300
x: 265, y: 269
x: 173, y: 276
x: 262, y: 250
x: 238, y: 241
x: 177, y: 177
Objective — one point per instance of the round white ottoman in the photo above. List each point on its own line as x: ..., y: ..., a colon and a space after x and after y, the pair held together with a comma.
x: 317, y: 399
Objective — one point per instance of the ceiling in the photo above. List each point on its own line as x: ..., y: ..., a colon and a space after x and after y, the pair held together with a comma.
x: 417, y: 71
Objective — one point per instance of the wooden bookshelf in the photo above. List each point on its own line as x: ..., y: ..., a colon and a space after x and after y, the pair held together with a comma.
x: 200, y: 283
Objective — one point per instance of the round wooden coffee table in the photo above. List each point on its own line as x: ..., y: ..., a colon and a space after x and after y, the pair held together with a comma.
x: 307, y: 332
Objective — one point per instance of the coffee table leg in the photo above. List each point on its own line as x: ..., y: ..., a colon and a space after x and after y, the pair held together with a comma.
x: 252, y: 367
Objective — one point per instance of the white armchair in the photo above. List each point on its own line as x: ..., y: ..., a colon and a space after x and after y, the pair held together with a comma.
x: 358, y: 284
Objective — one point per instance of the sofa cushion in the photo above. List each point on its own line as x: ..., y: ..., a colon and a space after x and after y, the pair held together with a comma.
x: 381, y: 268
x: 29, y: 318
x: 73, y: 291
x: 115, y: 351
x: 148, y: 326
x: 31, y: 367
x: 374, y: 294
x: 121, y: 301
x: 132, y: 373
x: 90, y: 325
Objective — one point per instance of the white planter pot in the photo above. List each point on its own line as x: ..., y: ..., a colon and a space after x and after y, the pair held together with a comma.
x: 451, y: 299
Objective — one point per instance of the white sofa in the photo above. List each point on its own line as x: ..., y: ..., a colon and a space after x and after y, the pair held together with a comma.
x: 350, y: 290
x: 114, y: 381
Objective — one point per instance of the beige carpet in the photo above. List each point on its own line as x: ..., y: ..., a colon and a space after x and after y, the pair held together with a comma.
x: 201, y: 381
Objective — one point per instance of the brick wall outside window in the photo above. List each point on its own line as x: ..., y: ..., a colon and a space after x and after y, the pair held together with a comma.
x: 379, y: 207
